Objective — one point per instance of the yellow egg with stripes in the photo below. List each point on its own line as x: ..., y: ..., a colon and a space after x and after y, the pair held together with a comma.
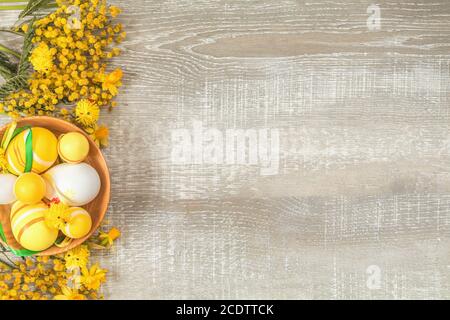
x: 73, y: 147
x: 44, y: 147
x: 78, y: 224
x: 29, y: 227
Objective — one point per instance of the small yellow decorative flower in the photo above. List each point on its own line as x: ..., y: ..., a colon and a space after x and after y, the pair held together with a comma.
x: 92, y: 278
x: 57, y: 215
x: 69, y: 294
x: 100, y: 135
x: 42, y: 58
x: 107, y: 239
x: 87, y: 112
x: 114, y: 11
x: 77, y: 257
x: 58, y: 266
x: 110, y: 82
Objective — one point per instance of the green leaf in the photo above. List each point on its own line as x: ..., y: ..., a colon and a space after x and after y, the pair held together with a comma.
x: 16, y: 75
x: 13, y: 84
x: 6, y: 63
x: 9, y: 51
x: 5, y: 73
x: 34, y: 6
x: 6, y: 70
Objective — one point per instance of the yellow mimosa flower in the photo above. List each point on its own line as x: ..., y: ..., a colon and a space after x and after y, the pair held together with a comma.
x: 114, y: 11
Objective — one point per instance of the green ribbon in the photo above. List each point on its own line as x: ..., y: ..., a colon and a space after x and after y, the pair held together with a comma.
x: 28, y: 146
x: 19, y: 253
x: 29, y: 152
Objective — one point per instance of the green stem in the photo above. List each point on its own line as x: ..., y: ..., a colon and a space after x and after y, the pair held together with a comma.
x: 8, y: 264
x: 18, y: 7
x: 10, y: 51
x: 12, y: 31
x: 23, y: 6
x: 11, y: 263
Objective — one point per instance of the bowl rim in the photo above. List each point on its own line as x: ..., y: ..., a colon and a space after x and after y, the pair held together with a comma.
x: 106, y: 185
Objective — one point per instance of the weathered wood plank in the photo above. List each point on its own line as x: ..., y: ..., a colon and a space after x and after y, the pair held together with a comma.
x: 362, y: 177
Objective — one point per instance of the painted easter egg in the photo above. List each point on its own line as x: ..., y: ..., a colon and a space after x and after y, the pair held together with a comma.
x: 73, y: 184
x: 79, y: 223
x: 7, y: 182
x: 29, y: 227
x: 44, y: 147
x: 30, y: 188
x: 73, y: 147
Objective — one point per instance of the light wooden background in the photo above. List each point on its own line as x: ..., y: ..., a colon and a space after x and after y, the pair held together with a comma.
x: 364, y: 174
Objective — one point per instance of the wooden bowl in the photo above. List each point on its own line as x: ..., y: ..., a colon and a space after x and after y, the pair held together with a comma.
x: 97, y: 208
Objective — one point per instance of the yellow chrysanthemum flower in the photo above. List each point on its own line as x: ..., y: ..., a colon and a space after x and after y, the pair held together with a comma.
x: 42, y: 58
x: 77, y: 257
x: 110, y: 82
x: 57, y: 215
x: 92, y: 278
x: 69, y: 294
x: 87, y: 112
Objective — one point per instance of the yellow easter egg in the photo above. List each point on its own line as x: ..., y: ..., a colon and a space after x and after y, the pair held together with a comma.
x: 73, y: 147
x: 29, y: 227
x: 44, y: 146
x: 30, y: 188
x: 79, y: 223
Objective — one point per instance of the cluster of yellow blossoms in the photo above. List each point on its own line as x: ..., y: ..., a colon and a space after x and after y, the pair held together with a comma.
x: 70, y: 78
x: 62, y: 277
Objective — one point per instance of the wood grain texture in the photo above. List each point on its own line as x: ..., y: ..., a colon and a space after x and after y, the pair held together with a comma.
x: 364, y: 176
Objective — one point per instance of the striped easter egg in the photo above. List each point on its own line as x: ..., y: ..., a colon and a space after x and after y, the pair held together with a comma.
x: 29, y: 227
x: 45, y: 151
x: 79, y: 223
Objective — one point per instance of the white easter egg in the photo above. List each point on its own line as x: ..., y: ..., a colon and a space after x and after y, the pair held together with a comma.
x: 7, y: 182
x: 74, y: 184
